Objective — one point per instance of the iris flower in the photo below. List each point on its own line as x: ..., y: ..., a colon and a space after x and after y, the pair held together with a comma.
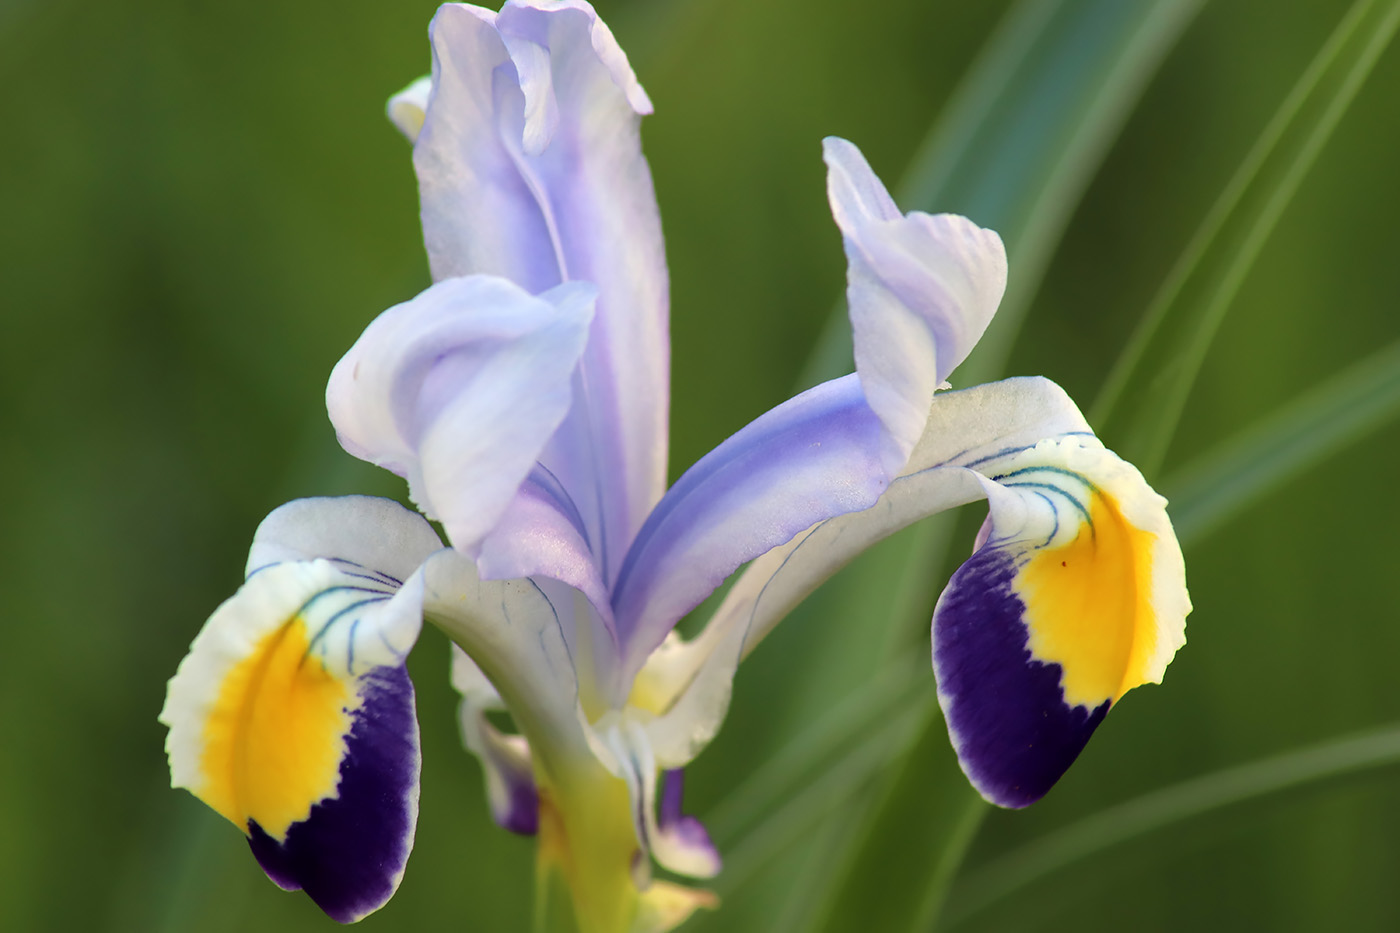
x: 524, y: 398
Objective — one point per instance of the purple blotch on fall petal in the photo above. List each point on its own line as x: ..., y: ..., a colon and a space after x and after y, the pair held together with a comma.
x: 523, y: 816
x: 686, y: 830
x: 349, y: 854
x: 1006, y: 714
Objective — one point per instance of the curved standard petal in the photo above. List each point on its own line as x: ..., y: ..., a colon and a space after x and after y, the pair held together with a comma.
x: 459, y: 390
x: 530, y: 167
x: 820, y: 454
x: 687, y: 684
x: 921, y: 290
x: 1077, y: 595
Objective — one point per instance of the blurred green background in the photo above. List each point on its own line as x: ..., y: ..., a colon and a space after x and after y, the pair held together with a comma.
x: 202, y: 208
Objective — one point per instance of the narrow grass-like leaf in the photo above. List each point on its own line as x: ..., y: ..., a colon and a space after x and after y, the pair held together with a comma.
x: 902, y: 684
x: 1308, y: 766
x: 1020, y: 142
x: 808, y: 805
x: 1215, y: 487
x: 1148, y: 389
x: 1021, y: 139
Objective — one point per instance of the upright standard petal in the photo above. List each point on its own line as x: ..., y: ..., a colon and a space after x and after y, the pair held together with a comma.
x: 530, y: 167
x: 921, y: 289
x: 1077, y: 595
x: 459, y: 390
x: 293, y: 716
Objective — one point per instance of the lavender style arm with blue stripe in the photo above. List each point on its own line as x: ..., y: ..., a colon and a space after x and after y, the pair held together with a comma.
x: 523, y: 397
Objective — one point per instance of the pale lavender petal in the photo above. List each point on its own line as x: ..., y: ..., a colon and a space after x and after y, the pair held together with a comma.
x: 967, y: 430
x: 530, y: 167
x: 542, y: 535
x: 689, y: 682
x: 479, y: 215
x: 921, y: 289
x: 815, y: 456
x: 459, y: 390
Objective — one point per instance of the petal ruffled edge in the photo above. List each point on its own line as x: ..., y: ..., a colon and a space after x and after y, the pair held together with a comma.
x: 459, y: 391
x: 293, y: 717
x: 1077, y: 595
x: 921, y: 290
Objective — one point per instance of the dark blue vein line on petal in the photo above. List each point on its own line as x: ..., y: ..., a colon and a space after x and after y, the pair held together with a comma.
x: 338, y: 589
x: 393, y: 649
x: 1047, y: 468
x: 1079, y: 506
x: 1000, y: 454
x: 375, y: 576
x: 325, y: 626
x: 350, y: 649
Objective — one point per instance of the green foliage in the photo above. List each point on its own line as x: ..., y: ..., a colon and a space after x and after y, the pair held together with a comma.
x: 204, y: 206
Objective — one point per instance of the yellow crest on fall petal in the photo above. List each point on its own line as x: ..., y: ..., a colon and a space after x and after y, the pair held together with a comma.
x: 260, y: 710
x: 1089, y: 606
x: 275, y: 737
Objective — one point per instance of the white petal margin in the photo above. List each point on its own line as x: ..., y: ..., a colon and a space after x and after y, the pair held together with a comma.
x: 336, y: 563
x: 376, y: 535
x: 293, y: 717
x: 459, y: 390
x: 505, y: 759
x: 1075, y: 595
x: 687, y: 684
x: 921, y: 290
x: 1034, y: 493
